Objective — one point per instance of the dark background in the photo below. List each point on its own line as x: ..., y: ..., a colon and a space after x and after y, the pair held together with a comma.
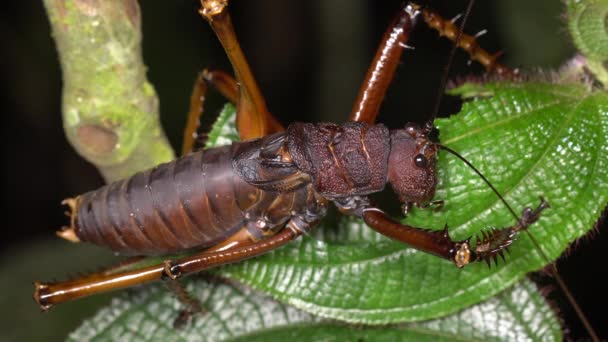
x: 309, y: 58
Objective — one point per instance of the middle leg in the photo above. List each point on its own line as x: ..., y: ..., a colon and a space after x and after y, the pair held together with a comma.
x: 384, y: 65
x: 380, y: 73
x: 222, y: 82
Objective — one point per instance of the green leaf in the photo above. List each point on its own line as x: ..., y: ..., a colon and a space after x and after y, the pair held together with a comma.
x: 239, y: 314
x: 224, y: 130
x: 530, y: 139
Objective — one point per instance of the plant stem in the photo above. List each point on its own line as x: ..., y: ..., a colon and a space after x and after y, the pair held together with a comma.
x: 110, y: 110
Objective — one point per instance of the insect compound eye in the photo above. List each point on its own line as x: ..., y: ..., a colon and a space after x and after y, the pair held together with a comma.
x: 421, y: 161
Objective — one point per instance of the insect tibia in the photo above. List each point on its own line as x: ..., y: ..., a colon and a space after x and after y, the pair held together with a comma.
x: 190, y: 304
x: 494, y: 242
x: 448, y: 29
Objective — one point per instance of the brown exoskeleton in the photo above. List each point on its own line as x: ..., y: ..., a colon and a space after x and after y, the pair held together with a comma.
x: 240, y: 201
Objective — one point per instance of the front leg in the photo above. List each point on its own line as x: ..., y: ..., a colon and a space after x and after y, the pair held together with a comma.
x: 439, y: 243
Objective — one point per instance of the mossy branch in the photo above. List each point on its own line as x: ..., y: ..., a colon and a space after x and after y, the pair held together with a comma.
x: 588, y: 27
x: 110, y: 110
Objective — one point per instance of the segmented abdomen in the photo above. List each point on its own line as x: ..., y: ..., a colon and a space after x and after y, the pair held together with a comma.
x: 194, y: 201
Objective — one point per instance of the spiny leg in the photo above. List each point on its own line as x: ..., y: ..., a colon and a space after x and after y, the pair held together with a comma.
x: 253, y: 119
x: 439, y: 243
x: 197, y: 102
x: 468, y: 43
x: 47, y: 295
x: 192, y: 305
x: 383, y: 67
x: 223, y: 83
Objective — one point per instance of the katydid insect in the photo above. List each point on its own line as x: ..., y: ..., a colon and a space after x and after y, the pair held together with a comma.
x: 295, y: 173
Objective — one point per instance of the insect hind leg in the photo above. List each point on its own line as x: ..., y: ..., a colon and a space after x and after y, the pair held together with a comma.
x: 253, y: 118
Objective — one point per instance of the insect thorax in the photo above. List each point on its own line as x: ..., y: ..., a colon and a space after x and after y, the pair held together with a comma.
x: 342, y: 160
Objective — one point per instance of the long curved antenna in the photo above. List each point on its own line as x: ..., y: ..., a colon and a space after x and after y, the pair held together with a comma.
x: 444, y: 79
x: 468, y: 163
x: 552, y: 268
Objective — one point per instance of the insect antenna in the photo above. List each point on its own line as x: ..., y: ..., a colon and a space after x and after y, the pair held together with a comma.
x: 429, y: 126
x: 468, y: 163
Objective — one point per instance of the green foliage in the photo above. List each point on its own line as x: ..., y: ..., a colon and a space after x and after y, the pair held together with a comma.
x: 240, y: 314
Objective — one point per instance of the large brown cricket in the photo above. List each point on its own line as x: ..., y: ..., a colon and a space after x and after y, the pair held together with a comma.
x: 240, y: 201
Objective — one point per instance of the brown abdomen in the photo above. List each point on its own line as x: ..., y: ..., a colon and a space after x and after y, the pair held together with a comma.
x: 194, y: 201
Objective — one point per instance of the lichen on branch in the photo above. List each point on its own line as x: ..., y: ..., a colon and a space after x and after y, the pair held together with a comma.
x: 110, y: 110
